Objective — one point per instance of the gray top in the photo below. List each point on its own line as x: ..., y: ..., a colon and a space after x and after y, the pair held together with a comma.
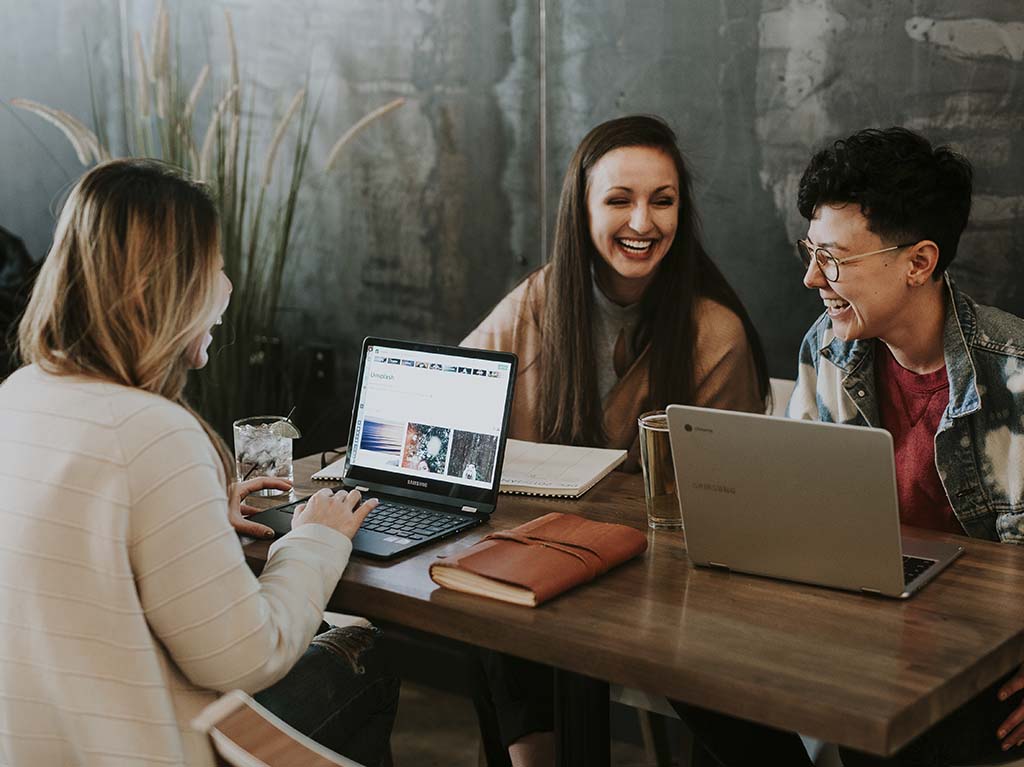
x: 611, y: 320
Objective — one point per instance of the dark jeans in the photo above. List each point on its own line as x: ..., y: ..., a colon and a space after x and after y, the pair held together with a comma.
x: 339, y: 695
x: 724, y: 741
x: 965, y: 737
x: 518, y: 693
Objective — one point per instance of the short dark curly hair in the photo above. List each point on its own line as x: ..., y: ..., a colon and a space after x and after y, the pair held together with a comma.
x: 907, y: 190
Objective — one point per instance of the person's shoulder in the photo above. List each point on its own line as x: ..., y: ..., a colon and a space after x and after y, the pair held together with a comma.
x: 528, y: 293
x: 998, y: 331
x: 713, y: 319
x: 141, y: 419
x: 522, y: 304
x: 151, y: 428
x: 94, y: 400
x: 718, y: 327
x: 105, y: 417
x: 153, y: 410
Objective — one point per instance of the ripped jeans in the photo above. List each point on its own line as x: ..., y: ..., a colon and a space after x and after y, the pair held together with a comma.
x: 339, y: 695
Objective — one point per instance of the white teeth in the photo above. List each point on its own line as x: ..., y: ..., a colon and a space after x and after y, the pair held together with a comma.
x: 835, y: 303
x: 637, y: 244
x: 220, y: 321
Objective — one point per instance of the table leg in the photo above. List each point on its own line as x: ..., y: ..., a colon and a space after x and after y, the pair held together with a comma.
x: 581, y: 721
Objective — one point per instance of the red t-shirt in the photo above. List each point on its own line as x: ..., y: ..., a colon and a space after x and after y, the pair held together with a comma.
x: 911, y: 406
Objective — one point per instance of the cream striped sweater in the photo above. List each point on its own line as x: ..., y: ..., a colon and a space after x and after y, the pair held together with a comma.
x: 125, y: 599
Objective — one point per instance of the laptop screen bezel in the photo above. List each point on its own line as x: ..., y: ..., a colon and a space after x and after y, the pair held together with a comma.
x: 425, y: 485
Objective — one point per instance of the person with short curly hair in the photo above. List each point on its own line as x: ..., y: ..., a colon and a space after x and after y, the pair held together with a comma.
x: 901, y: 347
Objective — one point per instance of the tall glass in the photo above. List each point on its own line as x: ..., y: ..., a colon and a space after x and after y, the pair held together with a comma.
x: 261, y: 450
x: 659, y: 478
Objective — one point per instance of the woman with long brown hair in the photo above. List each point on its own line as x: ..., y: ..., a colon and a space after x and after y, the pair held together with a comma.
x: 629, y: 315
x: 128, y: 604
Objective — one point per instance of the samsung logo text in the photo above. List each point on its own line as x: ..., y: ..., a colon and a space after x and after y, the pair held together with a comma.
x: 712, y: 487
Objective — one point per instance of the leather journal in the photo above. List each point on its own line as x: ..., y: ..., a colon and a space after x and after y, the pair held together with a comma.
x: 536, y: 561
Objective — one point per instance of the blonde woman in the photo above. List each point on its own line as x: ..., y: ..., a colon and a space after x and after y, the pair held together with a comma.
x: 128, y: 605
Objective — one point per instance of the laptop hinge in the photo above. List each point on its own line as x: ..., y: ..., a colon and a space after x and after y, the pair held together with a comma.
x: 406, y: 496
x: 866, y: 590
x: 718, y: 566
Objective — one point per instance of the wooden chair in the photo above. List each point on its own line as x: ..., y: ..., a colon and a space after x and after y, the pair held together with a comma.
x: 244, y: 734
x: 782, y: 389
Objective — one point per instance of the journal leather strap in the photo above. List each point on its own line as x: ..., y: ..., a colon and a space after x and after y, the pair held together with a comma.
x: 594, y: 568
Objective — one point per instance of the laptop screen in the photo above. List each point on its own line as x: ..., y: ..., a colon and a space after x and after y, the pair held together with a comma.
x: 433, y: 416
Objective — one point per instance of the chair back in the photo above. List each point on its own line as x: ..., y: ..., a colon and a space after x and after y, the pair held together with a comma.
x: 244, y: 734
x: 782, y: 390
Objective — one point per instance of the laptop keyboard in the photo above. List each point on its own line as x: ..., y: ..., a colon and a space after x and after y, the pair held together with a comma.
x: 914, y: 566
x: 390, y: 518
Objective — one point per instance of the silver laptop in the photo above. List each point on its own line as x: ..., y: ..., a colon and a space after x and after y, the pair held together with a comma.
x: 798, y: 500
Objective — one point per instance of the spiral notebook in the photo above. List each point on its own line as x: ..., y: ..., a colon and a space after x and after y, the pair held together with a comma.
x: 533, y: 468
x: 333, y: 472
x: 563, y: 471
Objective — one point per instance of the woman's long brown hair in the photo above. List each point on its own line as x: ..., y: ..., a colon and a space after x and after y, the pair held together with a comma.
x: 570, y: 405
x: 129, y: 282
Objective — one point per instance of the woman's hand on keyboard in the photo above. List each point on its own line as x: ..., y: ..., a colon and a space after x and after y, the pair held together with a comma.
x: 341, y: 511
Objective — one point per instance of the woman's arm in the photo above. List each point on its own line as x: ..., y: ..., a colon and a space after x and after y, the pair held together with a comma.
x: 222, y: 627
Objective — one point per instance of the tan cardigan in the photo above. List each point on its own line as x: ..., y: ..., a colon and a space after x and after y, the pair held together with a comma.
x: 725, y: 373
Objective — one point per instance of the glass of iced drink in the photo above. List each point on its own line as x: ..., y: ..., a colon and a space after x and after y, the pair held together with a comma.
x: 263, y: 448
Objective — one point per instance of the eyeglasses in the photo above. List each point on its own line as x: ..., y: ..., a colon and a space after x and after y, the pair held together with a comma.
x: 828, y: 263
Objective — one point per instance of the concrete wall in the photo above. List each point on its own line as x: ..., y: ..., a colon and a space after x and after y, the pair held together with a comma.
x: 439, y: 209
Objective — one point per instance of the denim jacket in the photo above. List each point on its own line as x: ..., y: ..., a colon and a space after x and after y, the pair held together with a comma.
x: 979, y: 446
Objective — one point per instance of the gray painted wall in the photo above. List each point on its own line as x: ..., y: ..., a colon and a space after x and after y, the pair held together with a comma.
x: 437, y: 211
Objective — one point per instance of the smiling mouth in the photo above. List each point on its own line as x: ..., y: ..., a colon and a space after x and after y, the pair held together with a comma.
x: 835, y: 306
x: 634, y: 246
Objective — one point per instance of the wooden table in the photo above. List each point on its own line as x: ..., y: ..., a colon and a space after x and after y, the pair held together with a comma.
x: 865, y: 672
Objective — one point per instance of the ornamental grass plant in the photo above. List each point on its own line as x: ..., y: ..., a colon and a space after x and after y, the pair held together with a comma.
x: 248, y: 373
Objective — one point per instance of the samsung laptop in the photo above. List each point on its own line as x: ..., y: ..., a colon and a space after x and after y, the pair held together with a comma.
x: 798, y: 500
x: 427, y: 438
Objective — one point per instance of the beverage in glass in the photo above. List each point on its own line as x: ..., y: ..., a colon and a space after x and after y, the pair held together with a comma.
x: 263, y: 448
x: 659, y: 477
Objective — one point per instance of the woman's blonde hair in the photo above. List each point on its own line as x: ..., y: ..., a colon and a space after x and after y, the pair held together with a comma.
x: 129, y: 283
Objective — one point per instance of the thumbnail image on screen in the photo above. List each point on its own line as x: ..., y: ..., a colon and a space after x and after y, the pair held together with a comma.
x: 426, y: 448
x: 472, y: 456
x: 380, y: 445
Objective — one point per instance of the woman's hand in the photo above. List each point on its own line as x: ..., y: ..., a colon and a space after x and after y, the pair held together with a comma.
x: 1011, y: 732
x: 237, y: 510
x: 341, y: 511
